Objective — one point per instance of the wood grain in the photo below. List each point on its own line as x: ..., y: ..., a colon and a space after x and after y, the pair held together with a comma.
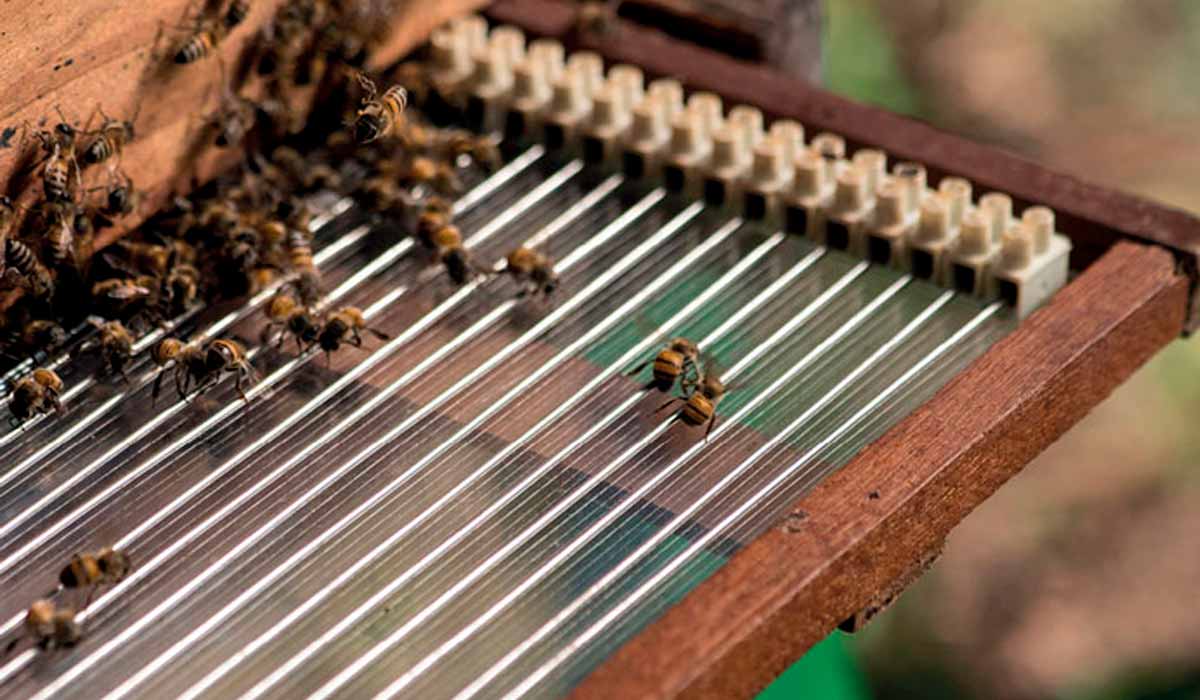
x: 1094, y: 217
x: 841, y: 548
x: 117, y: 56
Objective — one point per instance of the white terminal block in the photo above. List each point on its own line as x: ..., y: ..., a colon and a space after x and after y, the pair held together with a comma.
x: 491, y: 84
x: 647, y: 137
x: 998, y: 208
x: 972, y: 258
x: 669, y: 95
x: 569, y: 110
x: 688, y: 152
x: 957, y: 192
x: 915, y: 181
x: 605, y: 130
x: 733, y: 146
x: 832, y: 150
x: 550, y: 55
x: 872, y: 164
x: 1033, y: 263
x: 709, y: 109
x: 770, y: 178
x: 589, y: 66
x: 790, y: 135
x: 528, y: 101
x: 629, y: 82
x: 810, y: 196
x: 451, y: 65
x: 473, y: 29
x: 729, y: 162
x: 894, y: 220
x: 509, y: 42
x: 849, y: 212
x: 934, y: 239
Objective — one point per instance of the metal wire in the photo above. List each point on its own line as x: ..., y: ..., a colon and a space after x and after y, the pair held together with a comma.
x: 488, y: 509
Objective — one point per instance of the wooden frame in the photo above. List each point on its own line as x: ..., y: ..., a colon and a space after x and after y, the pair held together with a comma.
x: 849, y: 547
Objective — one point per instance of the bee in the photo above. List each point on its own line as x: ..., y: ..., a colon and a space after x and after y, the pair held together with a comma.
x: 22, y: 264
x: 233, y: 121
x: 436, y: 174
x: 35, y: 394
x: 121, y: 199
x: 382, y: 195
x: 60, y: 161
x: 380, y: 117
x: 483, y: 150
x: 414, y: 76
x: 202, y: 43
x: 300, y: 254
x: 115, y: 345
x: 236, y: 13
x: 59, y: 236
x: 218, y: 218
x: 534, y: 271
x: 307, y: 285
x: 219, y: 356
x: 285, y: 311
x: 110, y: 140
x: 671, y: 364
x: 119, y: 293
x: 40, y: 335
x: 181, y: 355
x: 8, y: 220
x: 50, y: 626
x: 700, y: 406
x: 107, y: 566
x: 447, y: 241
x: 150, y: 258
x: 345, y: 326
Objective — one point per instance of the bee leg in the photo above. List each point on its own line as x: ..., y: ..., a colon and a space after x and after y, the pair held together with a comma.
x: 237, y: 384
x: 328, y: 360
x: 356, y: 338
x: 668, y: 403
x: 91, y: 592
x: 11, y: 645
x: 711, y: 423
x: 637, y: 369
x: 379, y: 334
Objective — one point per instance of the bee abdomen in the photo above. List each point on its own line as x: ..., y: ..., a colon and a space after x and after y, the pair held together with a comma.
x: 100, y: 150
x: 696, y: 411
x: 55, y: 180
x: 395, y: 100
x: 17, y: 255
x: 195, y: 48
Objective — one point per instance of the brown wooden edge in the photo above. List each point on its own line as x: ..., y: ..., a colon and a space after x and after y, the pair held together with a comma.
x: 879, y: 520
x: 1094, y: 217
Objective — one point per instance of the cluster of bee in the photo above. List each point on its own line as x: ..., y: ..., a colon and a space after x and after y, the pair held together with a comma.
x: 679, y: 362
x: 51, y: 625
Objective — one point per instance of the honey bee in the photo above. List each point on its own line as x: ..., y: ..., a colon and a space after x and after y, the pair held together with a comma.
x: 21, y: 264
x: 35, y: 394
x: 8, y: 219
x: 107, y: 566
x: 41, y: 335
x: 118, y: 294
x: 345, y: 326
x: 110, y: 140
x: 49, y: 626
x: 447, y: 241
x: 202, y: 43
x: 175, y: 352
x: 671, y: 364
x: 121, y: 199
x: 483, y: 150
x: 300, y: 254
x: 700, y: 406
x: 232, y: 121
x: 236, y: 13
x: 60, y: 162
x: 284, y: 311
x: 379, y: 116
x: 307, y: 285
x: 115, y: 345
x: 414, y: 77
x: 151, y: 258
x: 219, y: 356
x: 436, y: 174
x: 534, y: 271
x: 382, y: 195
x: 59, y: 235
x: 432, y: 219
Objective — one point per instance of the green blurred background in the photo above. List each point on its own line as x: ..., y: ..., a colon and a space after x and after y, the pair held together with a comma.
x: 1079, y: 579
